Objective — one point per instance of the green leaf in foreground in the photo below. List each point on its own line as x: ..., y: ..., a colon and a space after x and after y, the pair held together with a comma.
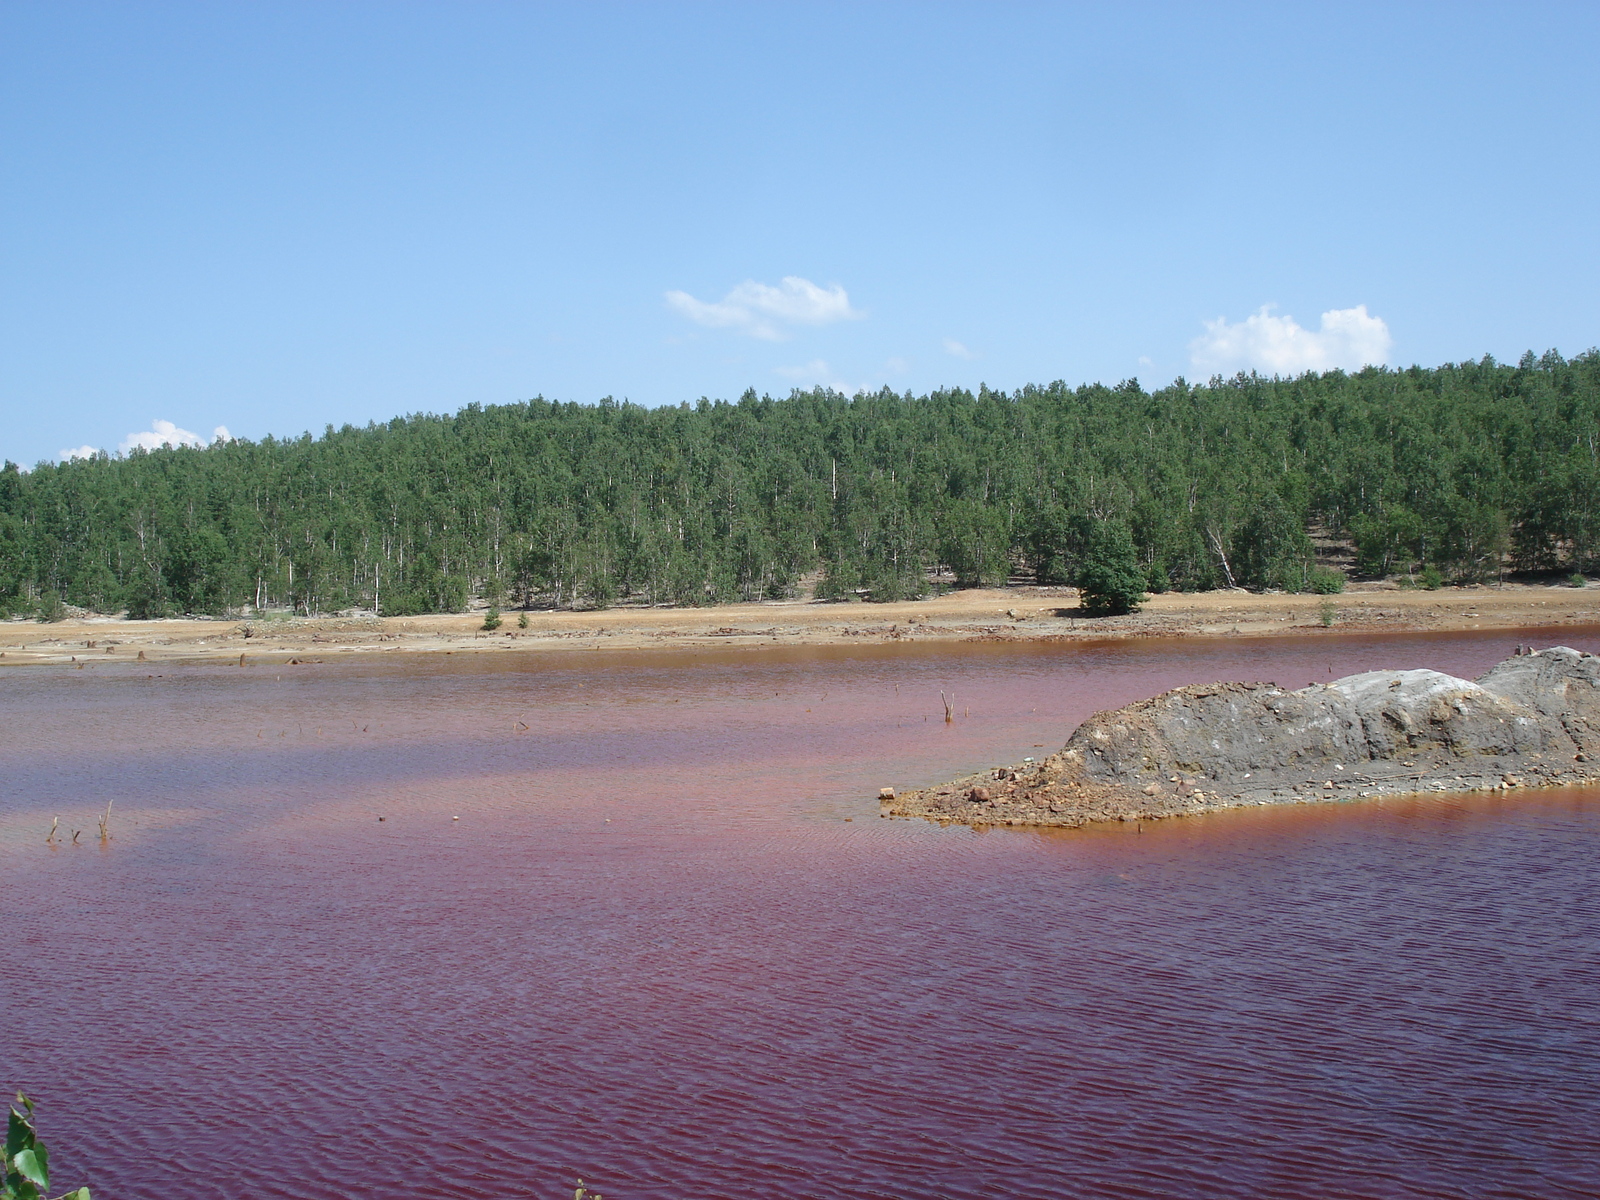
x: 27, y: 1162
x: 33, y: 1165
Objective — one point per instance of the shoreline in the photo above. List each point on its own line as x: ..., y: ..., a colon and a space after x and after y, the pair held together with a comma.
x: 1021, y: 614
x: 910, y: 806
x: 950, y: 803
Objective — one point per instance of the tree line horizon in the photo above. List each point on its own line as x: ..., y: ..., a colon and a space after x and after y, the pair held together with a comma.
x: 1465, y: 470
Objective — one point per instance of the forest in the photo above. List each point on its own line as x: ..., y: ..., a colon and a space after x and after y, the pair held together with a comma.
x: 1464, y: 471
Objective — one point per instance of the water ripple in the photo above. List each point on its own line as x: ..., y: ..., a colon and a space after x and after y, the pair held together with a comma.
x: 652, y: 952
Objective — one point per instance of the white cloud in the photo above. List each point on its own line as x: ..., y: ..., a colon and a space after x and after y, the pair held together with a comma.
x: 760, y: 310
x: 160, y: 433
x: 1350, y: 338
x: 817, y: 373
x: 165, y: 433
x: 954, y: 348
x: 79, y: 452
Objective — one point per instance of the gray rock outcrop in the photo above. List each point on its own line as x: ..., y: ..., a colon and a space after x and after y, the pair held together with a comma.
x: 1532, y: 720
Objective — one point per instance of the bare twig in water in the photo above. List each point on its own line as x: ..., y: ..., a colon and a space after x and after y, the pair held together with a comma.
x: 949, y: 707
x: 105, y: 824
x: 50, y: 837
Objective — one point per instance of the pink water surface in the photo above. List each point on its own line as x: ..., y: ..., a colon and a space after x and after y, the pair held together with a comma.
x: 670, y: 946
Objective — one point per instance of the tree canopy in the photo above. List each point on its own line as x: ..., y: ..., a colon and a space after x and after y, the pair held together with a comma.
x: 1463, y: 467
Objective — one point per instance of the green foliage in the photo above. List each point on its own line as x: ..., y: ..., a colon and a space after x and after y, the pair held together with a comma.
x: 1327, y: 612
x: 491, y: 619
x: 1109, y: 579
x: 1325, y: 581
x: 1270, y: 548
x: 1475, y: 540
x: 27, y: 1162
x: 888, y: 580
x: 522, y: 619
x: 1467, y: 467
x: 1389, y: 540
x: 1576, y: 580
x: 404, y: 604
x: 1431, y: 579
x: 147, y: 598
x: 50, y: 609
x: 975, y: 543
x: 1054, y: 540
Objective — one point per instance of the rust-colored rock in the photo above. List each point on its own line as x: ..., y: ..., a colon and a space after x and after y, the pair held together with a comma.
x: 1534, y: 719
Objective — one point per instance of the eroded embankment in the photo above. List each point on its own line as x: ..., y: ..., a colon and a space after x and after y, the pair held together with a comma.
x: 1532, y: 720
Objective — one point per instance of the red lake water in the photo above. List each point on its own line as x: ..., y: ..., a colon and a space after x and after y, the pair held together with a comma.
x: 635, y: 918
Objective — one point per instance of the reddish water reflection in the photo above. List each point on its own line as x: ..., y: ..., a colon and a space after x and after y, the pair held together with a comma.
x: 654, y: 952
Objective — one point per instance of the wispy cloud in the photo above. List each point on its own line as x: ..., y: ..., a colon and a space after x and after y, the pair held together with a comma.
x: 1349, y: 338
x: 160, y: 433
x: 761, y: 310
x: 955, y: 349
x: 817, y: 373
x: 814, y: 371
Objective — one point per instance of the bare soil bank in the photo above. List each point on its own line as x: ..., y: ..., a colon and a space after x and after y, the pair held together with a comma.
x: 1013, y: 614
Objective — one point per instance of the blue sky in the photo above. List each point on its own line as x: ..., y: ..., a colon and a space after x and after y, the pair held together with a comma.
x: 273, y: 217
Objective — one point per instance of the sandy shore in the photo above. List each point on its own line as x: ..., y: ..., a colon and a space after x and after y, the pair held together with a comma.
x: 1014, y: 614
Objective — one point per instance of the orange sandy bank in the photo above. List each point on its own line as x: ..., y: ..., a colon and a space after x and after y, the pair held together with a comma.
x: 1014, y: 614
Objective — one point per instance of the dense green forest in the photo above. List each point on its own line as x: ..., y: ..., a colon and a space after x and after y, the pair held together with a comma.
x: 1468, y: 468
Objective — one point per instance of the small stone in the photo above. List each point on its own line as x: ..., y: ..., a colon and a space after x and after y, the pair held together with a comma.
x: 1510, y: 781
x: 979, y: 795
x: 1152, y: 789
x: 886, y: 793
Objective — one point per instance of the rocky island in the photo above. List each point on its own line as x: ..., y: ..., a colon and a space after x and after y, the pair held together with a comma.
x: 1533, y: 720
